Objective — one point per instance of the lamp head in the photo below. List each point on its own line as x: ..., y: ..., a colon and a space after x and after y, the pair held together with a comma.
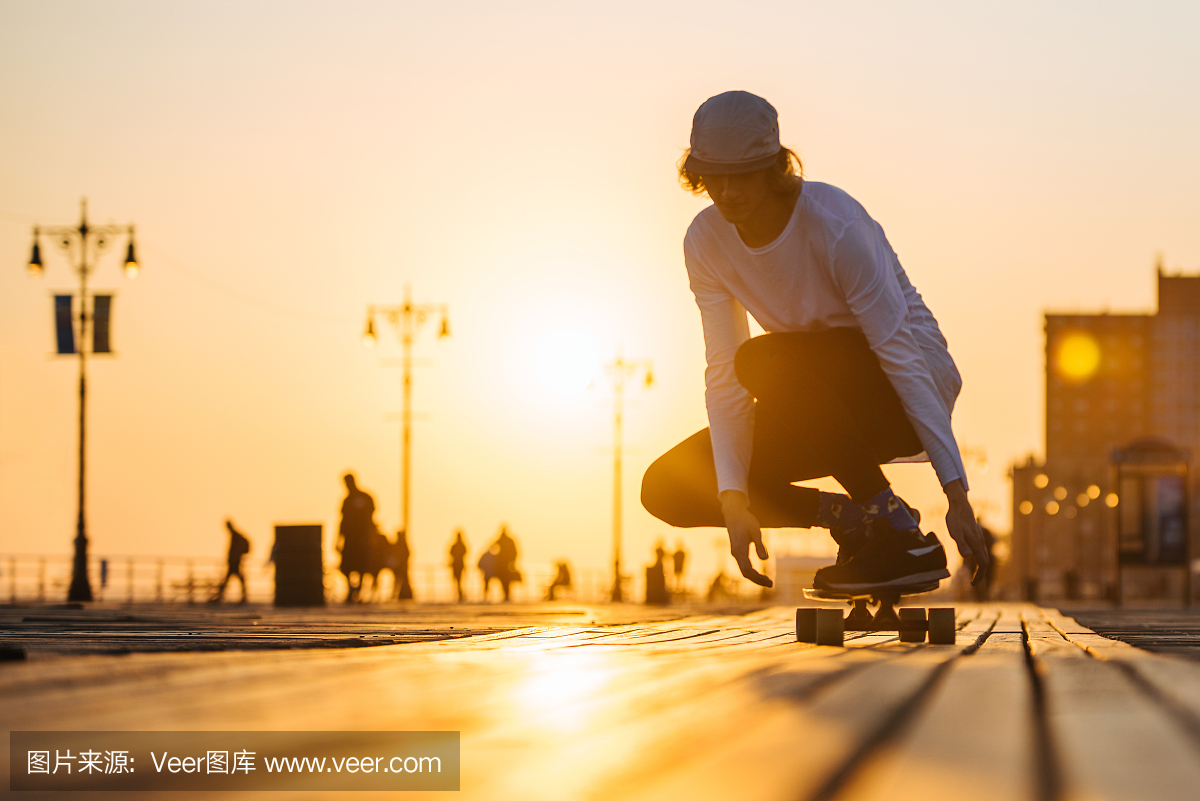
x: 35, y: 259
x: 369, y: 335
x: 444, y: 331
x: 131, y: 263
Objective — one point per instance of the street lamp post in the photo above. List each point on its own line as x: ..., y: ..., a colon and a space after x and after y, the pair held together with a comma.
x: 407, y: 319
x: 83, y: 245
x: 619, y: 370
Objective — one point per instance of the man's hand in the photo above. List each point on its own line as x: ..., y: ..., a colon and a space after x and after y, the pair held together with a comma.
x: 960, y: 521
x: 743, y: 529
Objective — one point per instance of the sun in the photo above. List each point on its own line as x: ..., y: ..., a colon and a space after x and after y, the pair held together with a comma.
x: 551, y: 332
x: 556, y: 356
x: 562, y: 362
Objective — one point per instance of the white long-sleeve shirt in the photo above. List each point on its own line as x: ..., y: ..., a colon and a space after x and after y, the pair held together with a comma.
x: 832, y: 267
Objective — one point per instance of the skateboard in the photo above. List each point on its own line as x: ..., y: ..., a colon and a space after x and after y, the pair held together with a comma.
x: 827, y: 626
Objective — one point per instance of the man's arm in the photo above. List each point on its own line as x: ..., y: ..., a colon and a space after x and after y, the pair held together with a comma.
x: 743, y: 529
x: 864, y: 272
x: 729, y: 405
x: 730, y: 409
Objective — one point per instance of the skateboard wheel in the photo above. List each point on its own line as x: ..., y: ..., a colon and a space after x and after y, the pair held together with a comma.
x: 830, y: 627
x: 941, y: 626
x: 912, y: 624
x: 806, y: 624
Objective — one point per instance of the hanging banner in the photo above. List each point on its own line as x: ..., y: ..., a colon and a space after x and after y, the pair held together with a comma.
x: 64, y: 324
x: 101, y: 312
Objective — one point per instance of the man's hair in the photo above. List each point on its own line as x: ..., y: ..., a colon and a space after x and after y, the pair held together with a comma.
x: 782, y: 173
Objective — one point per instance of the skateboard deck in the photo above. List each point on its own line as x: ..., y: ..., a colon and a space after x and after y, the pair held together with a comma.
x: 875, y: 596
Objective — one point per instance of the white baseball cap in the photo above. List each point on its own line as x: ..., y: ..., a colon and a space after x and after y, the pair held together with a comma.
x: 733, y: 132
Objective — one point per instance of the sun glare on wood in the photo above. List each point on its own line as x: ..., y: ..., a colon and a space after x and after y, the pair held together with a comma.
x: 561, y: 690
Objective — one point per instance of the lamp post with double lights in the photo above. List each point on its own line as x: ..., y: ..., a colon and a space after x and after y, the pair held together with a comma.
x: 83, y: 244
x: 620, y: 370
x: 407, y: 319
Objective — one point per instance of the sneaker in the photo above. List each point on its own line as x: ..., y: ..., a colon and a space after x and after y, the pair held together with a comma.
x: 851, y: 540
x: 889, y: 560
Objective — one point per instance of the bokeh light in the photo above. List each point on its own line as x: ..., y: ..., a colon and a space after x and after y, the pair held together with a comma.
x: 1077, y: 357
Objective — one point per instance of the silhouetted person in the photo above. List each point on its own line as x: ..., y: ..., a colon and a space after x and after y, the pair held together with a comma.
x: 239, y: 546
x: 506, y: 571
x: 458, y: 561
x: 718, y: 590
x: 401, y: 555
x: 380, y: 557
x: 488, y: 563
x: 679, y: 562
x: 656, y: 579
x: 562, y: 580
x: 852, y: 373
x: 355, y: 536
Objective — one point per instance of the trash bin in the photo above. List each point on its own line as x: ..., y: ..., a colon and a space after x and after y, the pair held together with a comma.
x: 299, y: 574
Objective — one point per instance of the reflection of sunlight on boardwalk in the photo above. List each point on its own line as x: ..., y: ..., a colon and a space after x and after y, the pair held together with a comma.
x: 1027, y: 704
x: 560, y: 691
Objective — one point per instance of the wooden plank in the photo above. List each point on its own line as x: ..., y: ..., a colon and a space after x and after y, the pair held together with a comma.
x: 654, y: 753
x: 790, y: 751
x: 1044, y: 640
x: 973, y: 740
x: 656, y: 727
x: 1009, y: 621
x: 1175, y: 682
x: 656, y: 746
x: 1162, y: 631
x: 718, y: 641
x: 1111, y: 740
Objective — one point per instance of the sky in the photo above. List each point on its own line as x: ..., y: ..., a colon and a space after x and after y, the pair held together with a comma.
x: 288, y: 164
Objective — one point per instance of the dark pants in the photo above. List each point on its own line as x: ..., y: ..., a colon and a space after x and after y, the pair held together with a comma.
x: 824, y: 407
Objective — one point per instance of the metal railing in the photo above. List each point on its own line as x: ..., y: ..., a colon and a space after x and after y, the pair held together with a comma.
x: 45, y: 578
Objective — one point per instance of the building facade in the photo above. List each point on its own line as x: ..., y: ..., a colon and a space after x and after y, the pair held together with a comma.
x: 1111, y: 380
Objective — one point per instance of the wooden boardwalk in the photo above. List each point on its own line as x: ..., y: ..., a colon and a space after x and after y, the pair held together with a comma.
x: 1026, y: 705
